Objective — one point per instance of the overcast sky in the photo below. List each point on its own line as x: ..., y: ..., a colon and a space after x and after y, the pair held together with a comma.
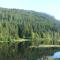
x: 51, y: 7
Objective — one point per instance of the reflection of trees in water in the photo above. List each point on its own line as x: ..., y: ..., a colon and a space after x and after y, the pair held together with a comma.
x: 57, y: 59
x: 21, y: 51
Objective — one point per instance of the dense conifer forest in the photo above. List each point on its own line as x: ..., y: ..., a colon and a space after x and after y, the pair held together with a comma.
x: 20, y: 29
x: 36, y: 26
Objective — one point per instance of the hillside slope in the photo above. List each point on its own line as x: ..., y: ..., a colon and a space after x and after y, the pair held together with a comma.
x: 39, y: 27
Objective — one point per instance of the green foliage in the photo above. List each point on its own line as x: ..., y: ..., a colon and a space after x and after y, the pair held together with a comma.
x: 39, y: 28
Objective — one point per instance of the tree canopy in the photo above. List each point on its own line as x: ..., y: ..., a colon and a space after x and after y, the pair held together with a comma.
x: 39, y: 27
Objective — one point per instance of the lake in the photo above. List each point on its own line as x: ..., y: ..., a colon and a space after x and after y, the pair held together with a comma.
x: 56, y: 55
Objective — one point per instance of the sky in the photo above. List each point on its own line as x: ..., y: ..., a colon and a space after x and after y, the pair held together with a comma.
x: 51, y: 7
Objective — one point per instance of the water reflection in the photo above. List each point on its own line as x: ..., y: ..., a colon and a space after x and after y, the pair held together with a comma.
x: 56, y: 55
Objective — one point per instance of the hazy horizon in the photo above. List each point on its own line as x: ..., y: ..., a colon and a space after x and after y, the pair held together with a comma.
x: 46, y: 6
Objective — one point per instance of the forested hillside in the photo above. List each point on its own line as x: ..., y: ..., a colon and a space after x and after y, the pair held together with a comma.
x: 39, y: 27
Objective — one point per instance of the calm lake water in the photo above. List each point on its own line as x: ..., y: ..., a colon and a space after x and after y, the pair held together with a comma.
x: 56, y: 55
